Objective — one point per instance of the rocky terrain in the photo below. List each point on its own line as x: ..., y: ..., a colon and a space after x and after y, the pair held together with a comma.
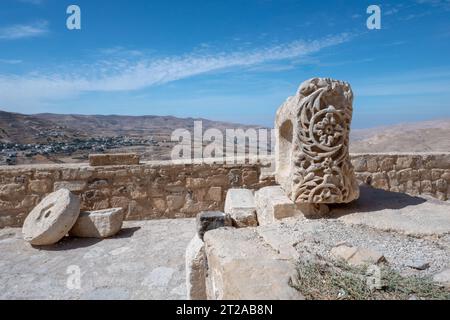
x: 426, y: 136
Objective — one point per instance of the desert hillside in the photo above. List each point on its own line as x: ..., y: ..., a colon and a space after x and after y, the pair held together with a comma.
x: 42, y: 128
x: 426, y: 136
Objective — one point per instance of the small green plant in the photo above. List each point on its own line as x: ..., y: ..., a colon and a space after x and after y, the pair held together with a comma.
x: 322, y: 280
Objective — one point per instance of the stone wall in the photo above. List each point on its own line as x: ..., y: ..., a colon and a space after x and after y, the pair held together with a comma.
x: 417, y: 173
x: 151, y: 190
x: 156, y: 190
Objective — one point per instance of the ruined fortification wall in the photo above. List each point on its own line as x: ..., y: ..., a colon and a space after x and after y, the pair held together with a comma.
x: 155, y: 190
x: 416, y: 173
x: 152, y: 190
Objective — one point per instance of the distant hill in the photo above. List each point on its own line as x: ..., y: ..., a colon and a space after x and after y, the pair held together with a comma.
x: 40, y: 128
x: 426, y: 136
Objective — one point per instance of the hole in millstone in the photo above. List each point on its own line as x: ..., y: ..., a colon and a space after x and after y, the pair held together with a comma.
x: 46, y: 210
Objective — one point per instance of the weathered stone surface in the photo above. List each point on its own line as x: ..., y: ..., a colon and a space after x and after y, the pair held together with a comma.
x: 313, y: 210
x: 443, y: 278
x: 196, y: 269
x: 98, y: 224
x: 241, y: 266
x: 145, y: 262
x: 391, y: 211
x: 240, y: 205
x: 357, y: 256
x: 210, y: 220
x: 52, y: 218
x: 73, y: 186
x: 312, y: 135
x: 273, y: 204
x: 97, y: 160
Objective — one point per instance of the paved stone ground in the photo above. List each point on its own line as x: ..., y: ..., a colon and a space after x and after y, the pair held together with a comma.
x: 144, y: 261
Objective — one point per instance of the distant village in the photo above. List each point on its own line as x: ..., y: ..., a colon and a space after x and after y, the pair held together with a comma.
x: 9, y: 152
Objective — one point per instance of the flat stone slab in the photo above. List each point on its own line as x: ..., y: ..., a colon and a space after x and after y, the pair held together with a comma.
x: 241, y: 266
x: 113, y: 159
x: 272, y: 204
x: 52, y: 218
x: 240, y: 205
x: 399, y: 212
x: 98, y: 224
x: 145, y: 260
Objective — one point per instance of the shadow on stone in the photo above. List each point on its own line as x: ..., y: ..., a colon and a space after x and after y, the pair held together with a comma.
x: 126, y: 233
x: 372, y: 199
x: 70, y: 243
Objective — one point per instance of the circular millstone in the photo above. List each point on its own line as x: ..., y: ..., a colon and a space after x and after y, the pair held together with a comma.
x: 52, y: 218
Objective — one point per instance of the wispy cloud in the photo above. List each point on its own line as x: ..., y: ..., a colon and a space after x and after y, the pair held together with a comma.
x: 127, y: 75
x: 35, y: 2
x: 442, y: 4
x: 10, y: 61
x: 19, y: 31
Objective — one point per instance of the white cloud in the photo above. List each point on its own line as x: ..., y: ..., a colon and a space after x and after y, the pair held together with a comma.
x: 20, y: 31
x: 10, y: 61
x: 128, y: 75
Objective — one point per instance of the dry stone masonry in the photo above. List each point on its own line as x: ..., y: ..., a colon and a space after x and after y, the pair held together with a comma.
x: 312, y: 132
x: 156, y: 190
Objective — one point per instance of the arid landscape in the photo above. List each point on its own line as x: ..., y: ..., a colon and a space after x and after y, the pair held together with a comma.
x: 58, y: 138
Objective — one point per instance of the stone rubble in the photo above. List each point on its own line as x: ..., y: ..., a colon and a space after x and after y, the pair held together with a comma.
x: 240, y: 205
x: 211, y: 220
x: 98, y: 224
x: 272, y: 204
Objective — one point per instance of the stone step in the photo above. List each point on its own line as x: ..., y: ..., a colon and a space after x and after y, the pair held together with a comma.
x: 240, y: 205
x: 254, y: 271
x: 272, y: 204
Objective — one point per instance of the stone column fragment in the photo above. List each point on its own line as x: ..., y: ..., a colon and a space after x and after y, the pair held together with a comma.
x: 312, y: 133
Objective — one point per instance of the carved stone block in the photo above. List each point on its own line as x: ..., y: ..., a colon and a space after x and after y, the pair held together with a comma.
x: 312, y: 133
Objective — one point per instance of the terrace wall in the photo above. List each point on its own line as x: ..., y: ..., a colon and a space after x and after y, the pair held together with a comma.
x: 157, y: 190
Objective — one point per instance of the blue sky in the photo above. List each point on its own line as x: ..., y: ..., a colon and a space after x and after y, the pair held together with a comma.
x: 224, y: 60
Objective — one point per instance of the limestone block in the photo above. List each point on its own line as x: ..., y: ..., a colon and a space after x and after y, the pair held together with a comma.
x: 210, y: 220
x: 73, y: 186
x: 116, y: 159
x: 196, y: 270
x: 98, y: 224
x: 40, y: 186
x: 273, y: 204
x: 241, y: 266
x: 52, y: 218
x: 240, y: 205
x: 312, y: 137
x: 215, y: 194
x: 357, y: 256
